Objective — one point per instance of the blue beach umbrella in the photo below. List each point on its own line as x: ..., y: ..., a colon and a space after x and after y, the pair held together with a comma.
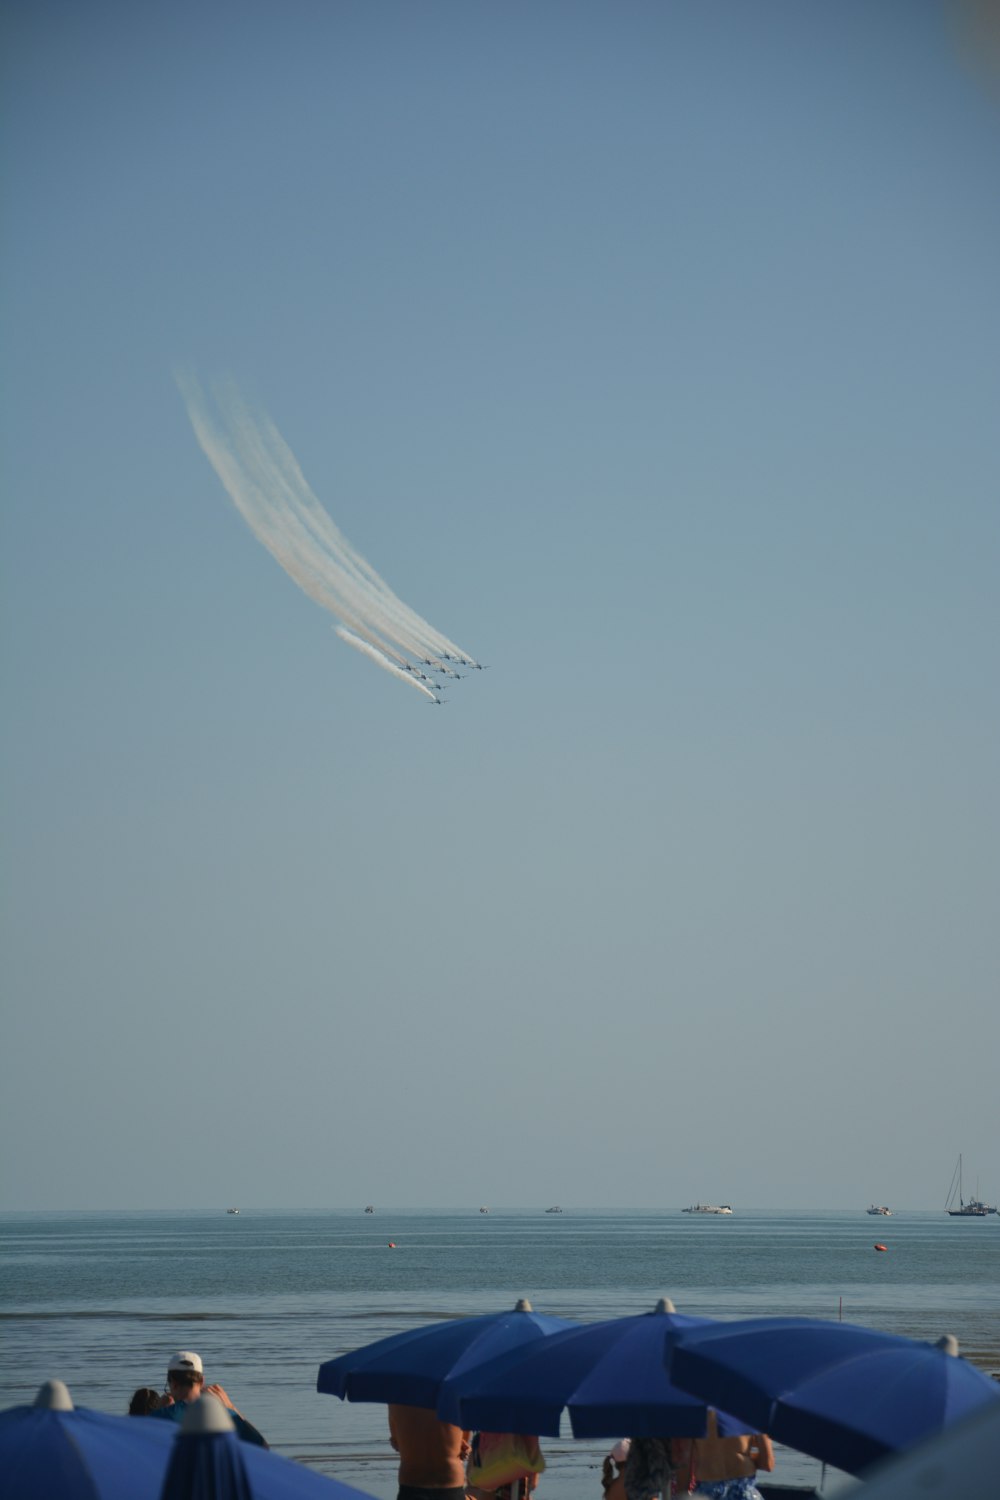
x: 966, y: 1453
x: 843, y: 1394
x: 53, y: 1449
x: 609, y: 1376
x: 209, y: 1462
x: 409, y: 1368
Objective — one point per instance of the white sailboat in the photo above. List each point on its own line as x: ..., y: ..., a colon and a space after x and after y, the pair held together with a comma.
x: 974, y: 1208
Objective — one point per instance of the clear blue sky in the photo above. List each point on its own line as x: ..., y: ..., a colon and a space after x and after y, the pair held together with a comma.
x: 650, y: 351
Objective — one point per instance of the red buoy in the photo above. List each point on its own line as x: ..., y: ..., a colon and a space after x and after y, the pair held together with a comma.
x: 881, y: 1247
x: 392, y: 1245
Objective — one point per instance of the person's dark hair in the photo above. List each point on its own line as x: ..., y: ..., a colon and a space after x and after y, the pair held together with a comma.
x: 143, y: 1401
x: 187, y: 1378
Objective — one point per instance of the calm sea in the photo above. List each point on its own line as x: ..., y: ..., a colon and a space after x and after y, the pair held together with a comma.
x: 101, y: 1300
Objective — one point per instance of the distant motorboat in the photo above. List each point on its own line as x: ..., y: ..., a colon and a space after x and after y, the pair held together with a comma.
x: 484, y: 1210
x: 974, y: 1208
x: 707, y: 1208
x: 232, y: 1210
x: 876, y: 1209
x: 369, y: 1208
x: 555, y: 1209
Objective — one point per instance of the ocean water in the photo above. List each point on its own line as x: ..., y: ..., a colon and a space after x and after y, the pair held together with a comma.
x: 102, y: 1300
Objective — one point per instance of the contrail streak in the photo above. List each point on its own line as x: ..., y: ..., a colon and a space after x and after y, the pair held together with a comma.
x: 263, y: 479
x: 383, y: 661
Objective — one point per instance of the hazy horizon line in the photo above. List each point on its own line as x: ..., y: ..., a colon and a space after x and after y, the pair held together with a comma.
x: 460, y: 1211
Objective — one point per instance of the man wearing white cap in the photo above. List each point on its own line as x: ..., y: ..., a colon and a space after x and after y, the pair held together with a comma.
x: 186, y: 1383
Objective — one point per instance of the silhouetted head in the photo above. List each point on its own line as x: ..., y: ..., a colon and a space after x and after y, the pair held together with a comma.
x: 184, y: 1376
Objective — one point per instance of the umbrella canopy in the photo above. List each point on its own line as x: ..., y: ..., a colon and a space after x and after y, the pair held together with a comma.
x: 609, y: 1376
x: 844, y: 1394
x: 409, y: 1368
x: 208, y: 1462
x: 961, y: 1461
x: 54, y: 1449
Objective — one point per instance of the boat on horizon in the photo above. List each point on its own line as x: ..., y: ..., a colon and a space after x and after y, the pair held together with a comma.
x: 877, y: 1209
x: 974, y: 1208
x: 555, y: 1209
x: 232, y: 1210
x: 707, y: 1208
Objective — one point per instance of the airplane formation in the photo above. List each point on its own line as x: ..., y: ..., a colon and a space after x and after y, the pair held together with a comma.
x: 264, y: 482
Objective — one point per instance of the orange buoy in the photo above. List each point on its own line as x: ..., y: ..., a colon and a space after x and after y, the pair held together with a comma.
x: 881, y: 1247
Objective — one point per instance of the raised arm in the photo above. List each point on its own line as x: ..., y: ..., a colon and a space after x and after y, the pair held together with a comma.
x: 762, y: 1452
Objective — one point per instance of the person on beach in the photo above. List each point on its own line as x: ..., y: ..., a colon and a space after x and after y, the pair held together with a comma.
x: 514, y: 1489
x: 503, y: 1466
x: 724, y: 1468
x: 143, y: 1401
x: 186, y: 1383
x: 613, y: 1471
x: 649, y: 1469
x: 432, y: 1454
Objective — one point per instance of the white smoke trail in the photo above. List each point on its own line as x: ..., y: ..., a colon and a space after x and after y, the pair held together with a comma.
x: 384, y: 661
x: 264, y: 482
x: 301, y: 518
x: 260, y: 496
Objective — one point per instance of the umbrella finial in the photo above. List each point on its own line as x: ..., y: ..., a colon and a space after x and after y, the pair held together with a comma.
x: 948, y: 1343
x: 522, y: 1305
x: 665, y: 1306
x: 55, y: 1395
x: 206, y: 1415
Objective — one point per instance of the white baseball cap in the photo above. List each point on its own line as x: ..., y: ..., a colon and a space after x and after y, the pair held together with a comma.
x: 185, y: 1362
